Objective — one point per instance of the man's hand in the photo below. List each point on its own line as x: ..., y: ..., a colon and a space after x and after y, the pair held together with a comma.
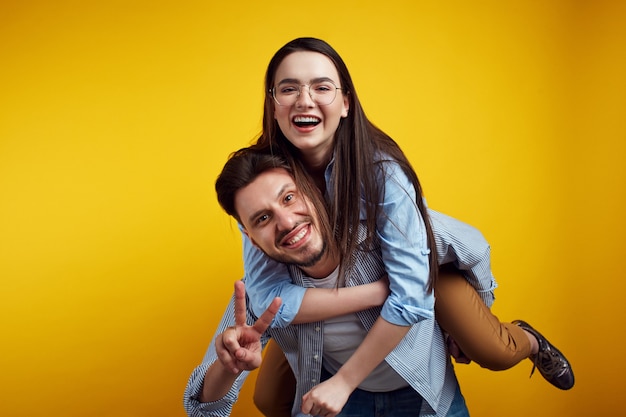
x: 239, y: 347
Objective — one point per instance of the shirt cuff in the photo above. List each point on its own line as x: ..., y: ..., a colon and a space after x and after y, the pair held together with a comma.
x: 291, y: 296
x: 405, y: 315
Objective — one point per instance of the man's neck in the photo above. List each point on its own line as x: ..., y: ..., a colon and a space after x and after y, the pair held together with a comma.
x: 323, y: 268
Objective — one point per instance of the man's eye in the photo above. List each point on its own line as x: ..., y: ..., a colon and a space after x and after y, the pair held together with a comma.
x: 262, y: 219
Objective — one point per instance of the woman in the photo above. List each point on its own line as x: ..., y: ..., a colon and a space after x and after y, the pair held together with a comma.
x: 313, y: 116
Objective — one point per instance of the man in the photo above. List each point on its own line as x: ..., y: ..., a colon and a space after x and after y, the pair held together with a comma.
x: 278, y: 219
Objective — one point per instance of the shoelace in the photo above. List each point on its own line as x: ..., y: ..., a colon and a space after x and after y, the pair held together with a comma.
x: 548, y: 362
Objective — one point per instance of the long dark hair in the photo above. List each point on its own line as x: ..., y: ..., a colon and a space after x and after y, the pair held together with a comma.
x: 359, y: 145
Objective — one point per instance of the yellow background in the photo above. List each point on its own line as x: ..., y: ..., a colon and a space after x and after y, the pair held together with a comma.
x: 116, y: 116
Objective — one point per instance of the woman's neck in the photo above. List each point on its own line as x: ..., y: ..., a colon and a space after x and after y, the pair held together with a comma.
x: 315, y: 166
x: 319, y: 179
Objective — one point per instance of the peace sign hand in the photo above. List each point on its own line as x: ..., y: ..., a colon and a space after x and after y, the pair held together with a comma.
x: 239, y: 348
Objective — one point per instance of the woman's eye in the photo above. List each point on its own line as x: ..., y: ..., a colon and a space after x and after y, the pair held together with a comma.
x: 289, y: 197
x: 288, y: 89
x: 323, y: 88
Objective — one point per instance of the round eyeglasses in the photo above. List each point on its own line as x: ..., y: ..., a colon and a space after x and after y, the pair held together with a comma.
x: 322, y: 93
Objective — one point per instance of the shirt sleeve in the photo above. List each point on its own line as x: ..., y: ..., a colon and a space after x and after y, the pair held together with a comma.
x: 267, y: 279
x: 465, y: 247
x: 405, y: 251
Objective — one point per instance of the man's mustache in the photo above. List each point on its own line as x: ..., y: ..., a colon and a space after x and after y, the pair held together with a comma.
x: 283, y: 234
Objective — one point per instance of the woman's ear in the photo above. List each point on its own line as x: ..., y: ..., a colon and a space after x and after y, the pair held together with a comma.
x: 346, y: 106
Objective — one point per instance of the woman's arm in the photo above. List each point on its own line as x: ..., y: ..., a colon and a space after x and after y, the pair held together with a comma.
x: 267, y: 279
x: 404, y: 250
x: 321, y: 304
x: 332, y: 394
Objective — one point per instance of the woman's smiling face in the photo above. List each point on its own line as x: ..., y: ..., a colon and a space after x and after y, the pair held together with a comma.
x: 309, y: 126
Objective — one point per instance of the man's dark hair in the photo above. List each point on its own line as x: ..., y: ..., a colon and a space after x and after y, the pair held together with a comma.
x: 242, y: 168
x: 246, y: 164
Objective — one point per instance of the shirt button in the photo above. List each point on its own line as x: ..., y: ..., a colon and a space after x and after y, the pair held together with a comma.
x: 316, y: 357
x: 317, y: 328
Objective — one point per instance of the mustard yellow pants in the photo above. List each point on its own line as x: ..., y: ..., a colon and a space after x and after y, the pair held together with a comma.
x: 459, y: 311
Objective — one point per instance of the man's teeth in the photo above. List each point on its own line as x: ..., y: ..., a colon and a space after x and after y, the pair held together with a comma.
x: 297, y: 237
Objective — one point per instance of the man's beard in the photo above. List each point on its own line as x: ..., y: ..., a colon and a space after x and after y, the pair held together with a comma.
x: 308, y: 262
x: 313, y: 259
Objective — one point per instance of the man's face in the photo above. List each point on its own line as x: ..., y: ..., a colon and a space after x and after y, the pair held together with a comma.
x: 277, y: 219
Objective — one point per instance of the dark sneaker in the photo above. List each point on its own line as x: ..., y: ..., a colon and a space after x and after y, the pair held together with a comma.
x: 549, y: 360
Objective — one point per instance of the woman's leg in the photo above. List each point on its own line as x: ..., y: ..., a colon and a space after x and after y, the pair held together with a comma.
x: 479, y: 333
x: 275, y: 384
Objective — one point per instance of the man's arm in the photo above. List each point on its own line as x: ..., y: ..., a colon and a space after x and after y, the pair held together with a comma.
x: 213, y: 386
x: 238, y: 348
x: 218, y: 380
x: 195, y: 385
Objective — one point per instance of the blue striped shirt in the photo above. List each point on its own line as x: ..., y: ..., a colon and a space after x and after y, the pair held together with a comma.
x: 405, y: 254
x: 420, y: 358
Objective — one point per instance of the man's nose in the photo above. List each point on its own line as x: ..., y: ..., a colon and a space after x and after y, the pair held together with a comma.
x: 285, y: 221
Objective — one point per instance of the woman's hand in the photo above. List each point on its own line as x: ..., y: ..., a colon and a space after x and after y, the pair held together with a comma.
x: 327, y: 399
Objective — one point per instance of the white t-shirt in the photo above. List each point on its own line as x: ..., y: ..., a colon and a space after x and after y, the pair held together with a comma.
x: 343, y: 335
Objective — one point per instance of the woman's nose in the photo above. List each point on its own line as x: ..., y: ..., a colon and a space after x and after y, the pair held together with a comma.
x: 304, y: 98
